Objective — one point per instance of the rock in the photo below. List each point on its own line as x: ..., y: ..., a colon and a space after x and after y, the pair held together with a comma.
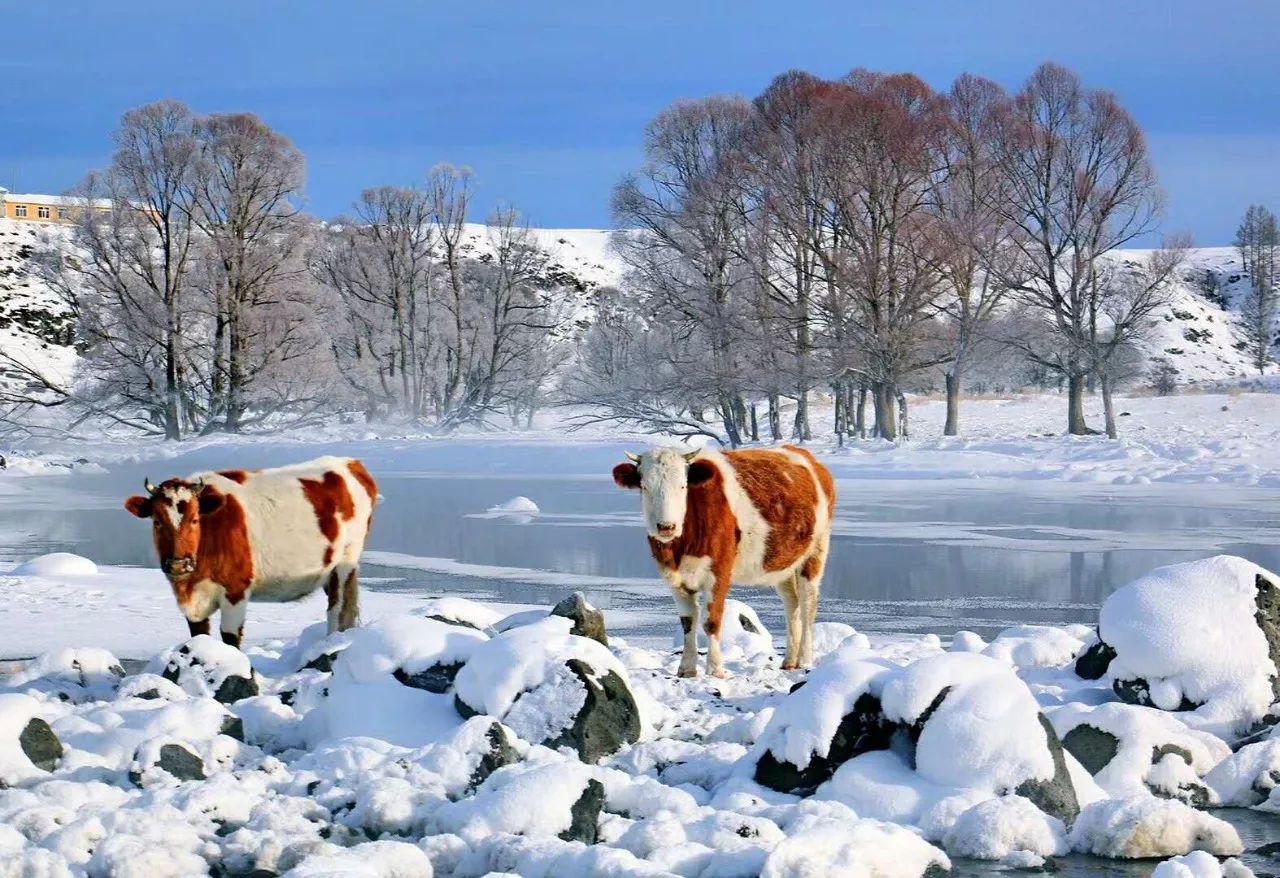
x: 1268, y: 619
x: 1092, y: 747
x: 174, y: 759
x: 1056, y: 796
x: 861, y: 730
x: 232, y: 727
x: 586, y: 814
x: 501, y: 752
x: 1138, y: 691
x: 1092, y: 664
x: 323, y: 662
x: 608, y: 720
x: 40, y: 744
x: 203, y: 666
x: 438, y: 678
x: 587, y: 620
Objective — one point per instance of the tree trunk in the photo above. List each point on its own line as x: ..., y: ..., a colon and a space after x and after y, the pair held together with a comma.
x: 1076, y: 425
x: 882, y: 396
x: 802, y: 430
x: 952, y: 426
x: 840, y: 415
x: 860, y: 419
x: 755, y: 424
x: 903, y: 431
x: 236, y: 351
x: 1108, y: 406
x: 775, y: 417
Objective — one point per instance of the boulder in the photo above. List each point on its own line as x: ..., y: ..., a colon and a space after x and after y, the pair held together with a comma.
x: 206, y: 667
x: 1093, y: 662
x: 552, y: 687
x: 1092, y: 747
x: 173, y: 759
x: 40, y: 744
x: 585, y: 814
x: 501, y: 752
x: 437, y: 678
x: 861, y: 730
x: 587, y: 620
x: 1057, y: 795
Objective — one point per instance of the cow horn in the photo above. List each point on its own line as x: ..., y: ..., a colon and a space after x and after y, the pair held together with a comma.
x: 150, y: 488
x: 690, y: 455
x: 632, y: 456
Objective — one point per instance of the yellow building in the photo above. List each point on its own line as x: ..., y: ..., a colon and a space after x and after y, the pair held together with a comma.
x: 46, y: 208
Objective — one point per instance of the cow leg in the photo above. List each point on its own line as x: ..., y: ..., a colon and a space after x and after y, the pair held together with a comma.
x: 789, y: 591
x: 333, y: 594
x: 231, y: 621
x: 811, y: 587
x: 715, y: 616
x: 349, y: 616
x: 687, y: 606
x: 198, y: 628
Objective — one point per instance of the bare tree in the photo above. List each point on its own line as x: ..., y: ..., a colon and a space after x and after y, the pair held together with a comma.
x: 1258, y: 242
x: 1080, y: 184
x: 245, y: 183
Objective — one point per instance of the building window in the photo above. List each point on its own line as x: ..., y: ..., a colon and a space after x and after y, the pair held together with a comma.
x: 20, y: 210
x: 63, y: 213
x: 42, y: 211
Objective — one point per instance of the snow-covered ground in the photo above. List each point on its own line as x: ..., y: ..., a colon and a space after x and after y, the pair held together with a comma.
x: 454, y: 739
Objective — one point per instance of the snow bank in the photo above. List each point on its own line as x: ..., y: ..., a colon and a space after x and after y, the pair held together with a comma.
x: 1187, y: 634
x: 1141, y: 828
x: 860, y: 847
x: 56, y: 564
x: 1250, y: 777
x: 1000, y: 827
x: 1199, y: 864
x: 517, y: 505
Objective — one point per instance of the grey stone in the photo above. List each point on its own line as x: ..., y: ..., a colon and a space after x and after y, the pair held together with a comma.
x: 233, y: 688
x: 1267, y: 601
x: 587, y: 620
x: 609, y: 718
x: 1093, y: 662
x: 1138, y: 691
x: 1056, y: 796
x: 232, y: 727
x: 862, y: 730
x: 586, y: 814
x: 178, y: 761
x: 40, y: 744
x: 437, y: 678
x: 1091, y: 746
x: 501, y: 752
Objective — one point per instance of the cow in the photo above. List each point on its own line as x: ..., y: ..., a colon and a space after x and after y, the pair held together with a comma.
x: 270, y: 534
x: 757, y: 517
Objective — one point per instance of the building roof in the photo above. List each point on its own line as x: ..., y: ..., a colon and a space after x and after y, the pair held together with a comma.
x: 52, y: 200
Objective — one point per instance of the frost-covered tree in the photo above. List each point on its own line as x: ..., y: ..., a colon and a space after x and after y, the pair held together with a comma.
x: 1258, y: 242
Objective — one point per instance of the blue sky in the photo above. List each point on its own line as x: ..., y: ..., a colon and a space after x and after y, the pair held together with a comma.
x: 547, y: 101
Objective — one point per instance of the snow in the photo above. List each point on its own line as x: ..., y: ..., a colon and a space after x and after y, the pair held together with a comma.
x: 1139, y: 827
x: 516, y: 504
x: 1189, y: 630
x: 852, y: 847
x: 56, y: 564
x: 1249, y: 777
x: 1199, y: 864
x: 1001, y: 827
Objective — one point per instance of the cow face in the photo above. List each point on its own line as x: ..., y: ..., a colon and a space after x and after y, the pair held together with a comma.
x: 175, y: 509
x: 663, y: 476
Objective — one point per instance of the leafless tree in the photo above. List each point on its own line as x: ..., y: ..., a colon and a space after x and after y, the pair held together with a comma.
x: 1080, y: 184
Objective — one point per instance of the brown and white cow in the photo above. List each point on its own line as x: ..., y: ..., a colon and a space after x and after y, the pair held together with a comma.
x: 271, y: 534
x: 759, y: 517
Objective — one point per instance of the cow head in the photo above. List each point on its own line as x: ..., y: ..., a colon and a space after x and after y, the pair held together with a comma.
x: 664, y: 477
x: 175, y: 508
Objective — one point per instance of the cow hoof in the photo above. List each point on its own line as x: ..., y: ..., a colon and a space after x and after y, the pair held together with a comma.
x: 790, y: 666
x: 687, y: 672
x: 719, y: 673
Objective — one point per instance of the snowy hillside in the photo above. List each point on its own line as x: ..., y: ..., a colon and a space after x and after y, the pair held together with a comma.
x: 1199, y: 334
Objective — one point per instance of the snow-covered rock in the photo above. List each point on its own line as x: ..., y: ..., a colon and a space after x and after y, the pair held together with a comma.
x: 1199, y: 864
x: 28, y: 746
x: 855, y: 848
x: 1200, y: 637
x: 205, y: 666
x: 69, y: 674
x: 1250, y: 777
x: 460, y: 611
x: 56, y: 564
x: 1003, y: 826
x: 1132, y: 750
x: 1145, y: 827
x: 552, y: 687
x: 587, y: 620
x: 1034, y: 646
x: 517, y: 505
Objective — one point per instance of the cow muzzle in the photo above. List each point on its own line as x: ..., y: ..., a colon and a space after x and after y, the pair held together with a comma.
x: 178, y: 567
x: 664, y: 531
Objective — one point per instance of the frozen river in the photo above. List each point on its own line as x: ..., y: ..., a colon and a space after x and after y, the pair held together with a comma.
x: 908, y: 556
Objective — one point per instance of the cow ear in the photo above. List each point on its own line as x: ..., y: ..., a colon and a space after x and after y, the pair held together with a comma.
x: 626, y: 475
x: 700, y: 471
x: 139, y: 506
x: 210, y: 501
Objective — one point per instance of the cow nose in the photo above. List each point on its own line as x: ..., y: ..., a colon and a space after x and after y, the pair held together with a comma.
x: 178, y: 565
x: 666, y: 529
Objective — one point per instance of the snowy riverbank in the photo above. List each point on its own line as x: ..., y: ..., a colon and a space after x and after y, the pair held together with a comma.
x: 452, y: 738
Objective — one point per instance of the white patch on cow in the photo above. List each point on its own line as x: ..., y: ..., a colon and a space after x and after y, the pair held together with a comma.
x: 175, y: 495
